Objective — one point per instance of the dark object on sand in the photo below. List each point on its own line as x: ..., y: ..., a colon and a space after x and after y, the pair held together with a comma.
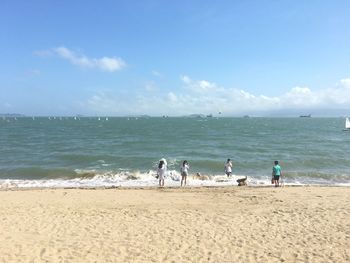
x: 242, y: 181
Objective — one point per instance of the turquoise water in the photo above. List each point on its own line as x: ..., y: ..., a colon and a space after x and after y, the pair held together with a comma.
x: 125, y: 151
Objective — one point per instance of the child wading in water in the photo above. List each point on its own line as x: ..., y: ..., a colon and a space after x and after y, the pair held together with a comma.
x: 228, y: 168
x: 184, y: 172
x: 276, y: 174
x: 161, y: 172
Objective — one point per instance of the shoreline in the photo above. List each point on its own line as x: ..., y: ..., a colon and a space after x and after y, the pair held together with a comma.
x: 191, y: 224
x: 4, y: 189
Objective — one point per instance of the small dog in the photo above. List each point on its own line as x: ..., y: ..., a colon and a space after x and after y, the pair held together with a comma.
x: 242, y: 181
x: 198, y: 176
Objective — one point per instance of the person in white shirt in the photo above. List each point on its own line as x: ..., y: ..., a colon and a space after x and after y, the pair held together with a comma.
x: 184, y: 172
x: 228, y: 167
x: 161, y: 172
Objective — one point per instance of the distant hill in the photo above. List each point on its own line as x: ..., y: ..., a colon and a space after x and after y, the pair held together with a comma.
x: 9, y: 115
x: 196, y: 116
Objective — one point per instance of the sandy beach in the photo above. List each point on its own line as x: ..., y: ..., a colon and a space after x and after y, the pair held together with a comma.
x: 228, y: 224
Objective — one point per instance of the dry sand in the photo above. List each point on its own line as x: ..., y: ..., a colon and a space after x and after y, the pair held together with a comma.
x: 229, y: 224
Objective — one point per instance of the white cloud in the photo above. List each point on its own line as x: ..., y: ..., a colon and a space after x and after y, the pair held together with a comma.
x: 186, y: 79
x: 81, y: 61
x: 339, y: 95
x: 104, y: 63
x: 156, y: 73
x: 202, y: 96
x: 102, y: 103
x: 301, y: 96
x: 332, y: 98
x: 150, y: 86
x: 109, y: 64
x: 345, y: 83
x: 199, y: 86
x: 172, y: 97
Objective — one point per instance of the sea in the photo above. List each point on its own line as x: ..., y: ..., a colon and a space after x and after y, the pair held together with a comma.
x: 77, y: 152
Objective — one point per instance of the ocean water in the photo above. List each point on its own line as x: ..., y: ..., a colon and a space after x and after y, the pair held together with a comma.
x: 88, y: 152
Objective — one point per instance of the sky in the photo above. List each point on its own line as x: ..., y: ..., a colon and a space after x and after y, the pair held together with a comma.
x: 174, y: 58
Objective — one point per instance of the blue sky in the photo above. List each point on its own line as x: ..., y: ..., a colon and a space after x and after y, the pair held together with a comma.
x: 174, y: 57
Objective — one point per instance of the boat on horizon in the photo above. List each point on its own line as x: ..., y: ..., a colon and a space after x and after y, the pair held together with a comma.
x: 347, y: 124
x: 305, y: 116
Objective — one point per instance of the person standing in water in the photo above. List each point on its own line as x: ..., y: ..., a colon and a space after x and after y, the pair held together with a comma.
x: 228, y: 168
x: 276, y: 173
x: 161, y: 172
x: 184, y: 172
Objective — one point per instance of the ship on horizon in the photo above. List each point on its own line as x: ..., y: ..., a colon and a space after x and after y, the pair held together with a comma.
x: 305, y: 116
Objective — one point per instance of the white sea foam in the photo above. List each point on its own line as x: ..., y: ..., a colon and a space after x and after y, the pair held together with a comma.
x: 91, y: 179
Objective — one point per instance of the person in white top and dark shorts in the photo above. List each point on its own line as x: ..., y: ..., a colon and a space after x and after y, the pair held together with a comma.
x: 162, y: 169
x: 184, y: 172
x: 228, y: 168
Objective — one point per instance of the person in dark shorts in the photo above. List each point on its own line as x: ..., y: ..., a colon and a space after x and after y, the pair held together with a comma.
x: 276, y: 173
x: 228, y: 167
x: 184, y: 172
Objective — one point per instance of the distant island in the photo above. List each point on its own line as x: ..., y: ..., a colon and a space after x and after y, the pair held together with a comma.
x: 305, y: 116
x: 199, y: 116
x: 11, y: 115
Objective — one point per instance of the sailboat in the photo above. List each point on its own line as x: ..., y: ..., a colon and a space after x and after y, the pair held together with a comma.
x: 347, y: 124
